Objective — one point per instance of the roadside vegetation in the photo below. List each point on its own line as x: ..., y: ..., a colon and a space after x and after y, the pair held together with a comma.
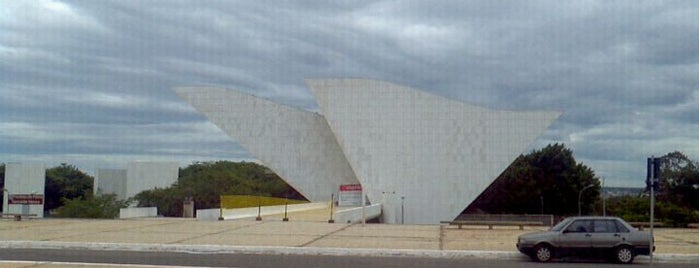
x: 550, y: 180
x: 205, y: 182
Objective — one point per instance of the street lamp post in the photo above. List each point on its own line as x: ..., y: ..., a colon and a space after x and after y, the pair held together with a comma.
x: 580, y: 197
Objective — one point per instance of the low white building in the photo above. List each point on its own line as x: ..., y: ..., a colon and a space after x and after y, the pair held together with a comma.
x: 137, y: 177
x: 24, y: 189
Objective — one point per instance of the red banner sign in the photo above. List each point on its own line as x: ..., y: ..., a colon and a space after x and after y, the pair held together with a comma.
x: 350, y: 187
x: 350, y: 195
x: 25, y: 199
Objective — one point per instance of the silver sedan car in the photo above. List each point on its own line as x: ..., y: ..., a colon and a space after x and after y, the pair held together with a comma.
x: 587, y: 236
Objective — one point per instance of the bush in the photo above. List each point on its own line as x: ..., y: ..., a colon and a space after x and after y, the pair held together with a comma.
x: 632, y: 208
x: 97, y: 207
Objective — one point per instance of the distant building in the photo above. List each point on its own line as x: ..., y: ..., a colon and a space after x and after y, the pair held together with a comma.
x: 623, y: 191
x: 137, y: 177
x: 111, y: 181
x: 423, y: 157
x: 24, y: 189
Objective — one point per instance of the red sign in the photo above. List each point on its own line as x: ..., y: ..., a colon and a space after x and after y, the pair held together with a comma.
x: 350, y: 187
x: 350, y: 195
x: 25, y: 199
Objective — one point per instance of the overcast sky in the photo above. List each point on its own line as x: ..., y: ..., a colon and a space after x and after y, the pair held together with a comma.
x: 89, y: 82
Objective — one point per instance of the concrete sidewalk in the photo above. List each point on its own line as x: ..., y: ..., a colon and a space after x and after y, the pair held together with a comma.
x: 301, y: 235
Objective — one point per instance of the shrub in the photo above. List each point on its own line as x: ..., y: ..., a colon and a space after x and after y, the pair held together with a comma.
x: 98, y: 207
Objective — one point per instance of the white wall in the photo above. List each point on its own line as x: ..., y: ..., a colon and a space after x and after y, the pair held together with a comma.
x: 28, y: 179
x: 354, y: 215
x: 146, y: 175
x: 111, y: 181
x: 426, y: 154
x: 251, y: 212
x: 138, y: 212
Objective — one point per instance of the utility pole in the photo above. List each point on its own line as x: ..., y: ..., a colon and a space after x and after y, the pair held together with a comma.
x: 604, y: 199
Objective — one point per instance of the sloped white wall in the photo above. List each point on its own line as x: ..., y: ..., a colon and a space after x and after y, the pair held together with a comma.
x: 296, y: 144
x: 421, y: 155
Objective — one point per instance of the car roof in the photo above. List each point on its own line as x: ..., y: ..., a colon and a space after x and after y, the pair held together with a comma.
x: 594, y: 217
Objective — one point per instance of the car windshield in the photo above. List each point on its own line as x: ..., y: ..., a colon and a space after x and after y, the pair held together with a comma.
x: 560, y: 225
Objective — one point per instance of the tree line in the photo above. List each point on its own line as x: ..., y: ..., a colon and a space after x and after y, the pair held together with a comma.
x: 544, y: 181
x: 68, y: 190
x: 551, y: 181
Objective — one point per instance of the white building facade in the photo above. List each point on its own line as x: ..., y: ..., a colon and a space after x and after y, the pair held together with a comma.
x: 24, y: 189
x: 137, y: 177
x: 423, y: 157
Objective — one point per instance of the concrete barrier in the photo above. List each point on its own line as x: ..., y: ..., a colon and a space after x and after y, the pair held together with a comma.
x: 354, y: 215
x: 136, y: 212
x: 210, y: 214
x: 241, y: 213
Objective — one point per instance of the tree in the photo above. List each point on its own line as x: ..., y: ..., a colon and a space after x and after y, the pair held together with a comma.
x: 547, y: 180
x: 679, y: 180
x: 637, y: 208
x: 206, y: 182
x: 65, y: 182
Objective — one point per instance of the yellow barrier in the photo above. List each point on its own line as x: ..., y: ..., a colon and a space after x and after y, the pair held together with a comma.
x: 246, y: 201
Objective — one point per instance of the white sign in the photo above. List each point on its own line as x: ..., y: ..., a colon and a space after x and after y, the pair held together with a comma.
x: 350, y: 195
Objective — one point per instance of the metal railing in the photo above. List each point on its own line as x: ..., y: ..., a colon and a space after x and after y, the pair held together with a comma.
x: 545, y: 219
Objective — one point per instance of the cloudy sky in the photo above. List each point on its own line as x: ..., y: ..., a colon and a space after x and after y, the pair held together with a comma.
x: 89, y: 82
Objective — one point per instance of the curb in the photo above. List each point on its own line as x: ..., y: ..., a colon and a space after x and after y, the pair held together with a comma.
x: 360, y: 252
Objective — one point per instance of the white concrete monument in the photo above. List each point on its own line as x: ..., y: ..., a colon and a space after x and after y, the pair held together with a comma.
x: 298, y: 145
x: 423, y: 157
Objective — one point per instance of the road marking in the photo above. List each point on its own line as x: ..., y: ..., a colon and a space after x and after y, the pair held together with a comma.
x: 89, y: 264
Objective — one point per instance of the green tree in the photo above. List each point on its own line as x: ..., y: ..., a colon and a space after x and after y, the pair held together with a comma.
x: 637, y: 208
x: 206, y: 182
x: 65, y: 182
x: 679, y: 180
x: 547, y: 180
x: 105, y: 206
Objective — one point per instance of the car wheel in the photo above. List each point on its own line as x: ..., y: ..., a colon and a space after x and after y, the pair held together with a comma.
x: 624, y: 254
x: 543, y: 253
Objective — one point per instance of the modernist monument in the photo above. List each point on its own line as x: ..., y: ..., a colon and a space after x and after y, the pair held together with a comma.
x: 423, y: 157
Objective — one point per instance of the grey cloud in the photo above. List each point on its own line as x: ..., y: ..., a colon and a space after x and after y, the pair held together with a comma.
x: 106, y: 67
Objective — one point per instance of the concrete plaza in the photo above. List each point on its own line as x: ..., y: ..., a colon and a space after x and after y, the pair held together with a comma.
x: 305, y: 233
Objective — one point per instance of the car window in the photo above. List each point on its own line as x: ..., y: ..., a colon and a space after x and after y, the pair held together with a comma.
x: 561, y: 225
x: 579, y: 226
x: 621, y: 227
x: 605, y: 226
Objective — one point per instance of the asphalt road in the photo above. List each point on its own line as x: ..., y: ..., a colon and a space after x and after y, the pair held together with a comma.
x: 290, y: 261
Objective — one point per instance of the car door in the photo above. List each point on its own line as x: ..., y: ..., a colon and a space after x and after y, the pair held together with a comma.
x: 575, y: 238
x: 605, y: 235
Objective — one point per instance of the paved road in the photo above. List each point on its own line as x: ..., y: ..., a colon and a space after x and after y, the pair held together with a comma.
x: 291, y: 261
